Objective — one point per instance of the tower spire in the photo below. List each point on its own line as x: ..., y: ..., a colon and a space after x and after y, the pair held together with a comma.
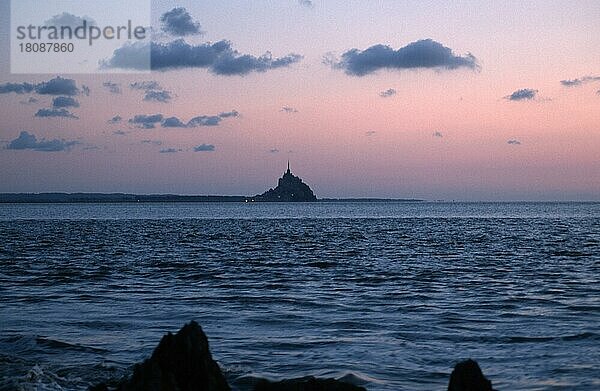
x: 288, y: 170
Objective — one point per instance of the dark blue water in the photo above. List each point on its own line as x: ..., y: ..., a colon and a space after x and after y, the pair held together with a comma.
x: 387, y: 295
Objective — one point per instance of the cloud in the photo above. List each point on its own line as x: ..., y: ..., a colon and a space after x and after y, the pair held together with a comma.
x: 173, y: 122
x: 57, y: 86
x: 146, y: 85
x: 513, y: 142
x: 522, y: 94
x: 17, y: 88
x: 28, y: 140
x: 287, y: 109
x: 59, y: 113
x: 437, y: 134
x: 119, y: 133
x: 204, y: 120
x: 579, y: 81
x: 149, y: 121
x: 29, y: 101
x: 64, y: 101
x: 219, y: 58
x: 157, y: 96
x: 232, y: 64
x: 204, y: 148
x: 70, y: 20
x: 229, y: 114
x: 425, y: 53
x: 370, y: 133
x: 179, y: 22
x: 387, y: 93
x: 170, y: 150
x: 114, y: 88
x: 211, y: 120
x: 274, y: 150
x: 306, y: 3
x: 146, y: 121
x: 153, y: 91
x: 115, y: 120
x: 598, y: 92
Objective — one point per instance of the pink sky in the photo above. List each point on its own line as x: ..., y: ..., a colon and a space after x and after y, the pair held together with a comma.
x: 344, y: 140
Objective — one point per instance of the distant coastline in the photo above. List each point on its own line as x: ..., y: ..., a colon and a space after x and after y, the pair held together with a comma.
x: 65, y: 198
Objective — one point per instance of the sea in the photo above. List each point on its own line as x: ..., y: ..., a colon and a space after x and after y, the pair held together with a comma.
x: 387, y: 295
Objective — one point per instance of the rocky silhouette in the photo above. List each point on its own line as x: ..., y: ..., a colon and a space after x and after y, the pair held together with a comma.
x: 182, y: 362
x: 467, y: 376
x: 289, y: 189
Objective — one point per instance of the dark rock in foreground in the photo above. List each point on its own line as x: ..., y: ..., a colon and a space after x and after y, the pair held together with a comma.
x: 306, y: 384
x: 290, y: 188
x: 180, y: 362
x: 467, y: 376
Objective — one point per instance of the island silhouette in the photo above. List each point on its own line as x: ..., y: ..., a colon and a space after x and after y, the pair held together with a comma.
x: 290, y: 188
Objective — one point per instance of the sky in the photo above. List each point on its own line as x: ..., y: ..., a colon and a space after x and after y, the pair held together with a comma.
x: 461, y: 100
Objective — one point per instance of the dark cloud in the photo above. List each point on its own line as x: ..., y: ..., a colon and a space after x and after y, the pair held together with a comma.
x: 514, y: 142
x: 287, y: 109
x: 179, y: 22
x: 211, y: 120
x: 437, y: 134
x: 146, y: 121
x: 387, y: 93
x: 522, y: 94
x: 59, y: 113
x: 219, y: 58
x: 173, y: 122
x: 274, y: 150
x: 56, y: 86
x: 170, y: 150
x: 17, y: 88
x: 232, y: 64
x: 27, y: 140
x: 425, y: 53
x: 157, y: 96
x: 29, y: 101
x: 136, y: 56
x: 70, y: 20
x: 204, y: 148
x: 598, y: 92
x: 370, y: 133
x: 150, y: 121
x: 204, y: 120
x: 64, y: 101
x: 579, y: 81
x: 115, y: 120
x: 119, y: 133
x: 114, y: 88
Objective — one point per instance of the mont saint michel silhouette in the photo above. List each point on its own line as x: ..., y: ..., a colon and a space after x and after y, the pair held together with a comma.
x: 290, y: 188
